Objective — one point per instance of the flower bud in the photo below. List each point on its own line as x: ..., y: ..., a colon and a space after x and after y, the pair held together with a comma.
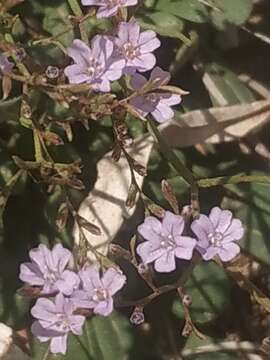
x: 137, y: 317
x: 52, y: 72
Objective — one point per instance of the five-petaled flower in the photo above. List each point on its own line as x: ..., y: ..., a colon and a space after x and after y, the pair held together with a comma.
x: 217, y: 233
x: 156, y: 102
x: 48, y: 270
x: 97, y: 292
x: 136, y: 47
x: 5, y: 65
x: 164, y: 242
x: 55, y: 320
x: 95, y: 65
x: 108, y: 8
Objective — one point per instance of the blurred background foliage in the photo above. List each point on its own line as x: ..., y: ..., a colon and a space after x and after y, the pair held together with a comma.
x: 219, y: 51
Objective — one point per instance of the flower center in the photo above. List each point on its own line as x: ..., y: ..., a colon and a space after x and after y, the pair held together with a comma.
x: 62, y: 322
x: 167, y: 242
x: 94, y: 68
x: 100, y: 294
x: 153, y: 98
x: 215, y: 238
x: 130, y: 51
x: 51, y: 276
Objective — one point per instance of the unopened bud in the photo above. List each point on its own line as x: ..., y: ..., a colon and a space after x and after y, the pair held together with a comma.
x: 187, y: 300
x: 52, y: 72
x: 20, y: 54
x: 142, y: 268
x: 137, y: 317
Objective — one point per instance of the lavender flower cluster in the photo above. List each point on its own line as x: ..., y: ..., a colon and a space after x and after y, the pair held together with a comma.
x: 64, y: 291
x: 216, y: 235
x: 85, y: 289
x: 127, y: 53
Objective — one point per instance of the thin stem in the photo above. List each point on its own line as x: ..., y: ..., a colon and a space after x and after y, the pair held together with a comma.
x: 235, y: 179
x: 183, y: 171
x: 165, y: 288
x: 77, y: 11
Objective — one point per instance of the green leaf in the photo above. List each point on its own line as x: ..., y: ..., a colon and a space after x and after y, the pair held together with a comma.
x: 10, y: 109
x: 224, y: 86
x: 191, y: 10
x: 56, y: 21
x: 209, y: 288
x: 105, y: 338
x: 251, y: 203
x: 231, y: 11
x: 163, y: 23
x: 193, y: 344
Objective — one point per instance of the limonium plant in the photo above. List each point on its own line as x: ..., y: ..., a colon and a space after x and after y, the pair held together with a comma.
x: 110, y: 72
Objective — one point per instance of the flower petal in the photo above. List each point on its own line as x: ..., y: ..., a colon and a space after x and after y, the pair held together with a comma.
x: 210, y: 252
x: 31, y: 274
x: 165, y: 263
x: 162, y: 112
x: 61, y: 257
x: 148, y: 41
x: 234, y: 232
x: 143, y: 62
x: 172, y: 224
x: 44, y: 309
x: 113, y: 280
x: 68, y: 282
x: 75, y: 74
x: 149, y: 251
x: 59, y: 344
x: 185, y: 247
x: 137, y: 81
x: 171, y: 99
x: 41, y: 333
x: 228, y: 251
x: 77, y: 322
x: 160, y: 76
x: 221, y: 219
x: 201, y: 228
x: 104, y: 307
x: 150, y: 229
x: 90, y: 278
x: 80, y: 53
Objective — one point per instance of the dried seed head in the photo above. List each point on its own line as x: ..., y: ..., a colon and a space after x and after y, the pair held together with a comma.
x: 137, y: 317
x: 52, y: 72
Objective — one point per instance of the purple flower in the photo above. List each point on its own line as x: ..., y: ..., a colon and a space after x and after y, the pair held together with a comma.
x: 164, y: 242
x: 47, y: 270
x: 109, y: 7
x: 55, y: 321
x: 217, y: 233
x: 136, y: 47
x: 97, y: 292
x: 94, y: 65
x: 5, y: 65
x: 155, y: 102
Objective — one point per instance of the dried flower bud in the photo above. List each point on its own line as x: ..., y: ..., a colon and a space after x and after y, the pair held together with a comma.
x: 140, y: 169
x: 187, y: 300
x: 132, y: 194
x: 137, y: 317
x: 169, y: 195
x: 52, y: 72
x: 143, y: 268
x: 92, y: 228
x: 20, y: 54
